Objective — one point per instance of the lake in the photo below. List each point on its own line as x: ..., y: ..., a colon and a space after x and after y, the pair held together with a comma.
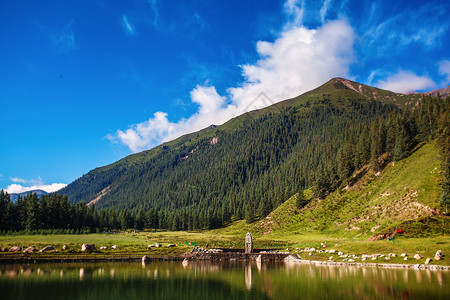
x: 206, y: 280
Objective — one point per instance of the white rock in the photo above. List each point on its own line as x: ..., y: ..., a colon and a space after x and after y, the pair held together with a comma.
x: 403, y: 254
x: 417, y: 256
x: 114, y: 247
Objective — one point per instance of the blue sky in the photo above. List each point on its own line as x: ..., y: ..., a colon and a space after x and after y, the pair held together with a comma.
x: 85, y: 83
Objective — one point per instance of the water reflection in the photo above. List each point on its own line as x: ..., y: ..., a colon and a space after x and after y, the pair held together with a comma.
x: 251, y: 280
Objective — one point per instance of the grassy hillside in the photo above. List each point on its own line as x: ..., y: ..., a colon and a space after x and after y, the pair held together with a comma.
x: 404, y: 195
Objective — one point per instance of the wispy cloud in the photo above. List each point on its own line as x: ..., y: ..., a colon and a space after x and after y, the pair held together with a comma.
x: 406, y: 82
x: 129, y: 28
x: 298, y: 60
x: 64, y: 41
x: 324, y: 9
x: 295, y: 10
x: 444, y: 69
x: 17, y: 179
x: 155, y: 12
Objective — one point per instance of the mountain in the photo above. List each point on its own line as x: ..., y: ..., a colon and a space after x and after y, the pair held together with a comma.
x: 250, y: 165
x: 39, y: 193
x: 442, y: 92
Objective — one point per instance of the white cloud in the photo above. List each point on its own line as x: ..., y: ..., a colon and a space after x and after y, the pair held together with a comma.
x: 49, y: 188
x: 129, y: 28
x: 17, y: 179
x: 406, y: 82
x: 444, y: 69
x: 298, y: 60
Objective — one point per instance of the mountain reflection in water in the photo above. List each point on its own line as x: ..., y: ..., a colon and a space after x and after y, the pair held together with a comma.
x: 207, y: 280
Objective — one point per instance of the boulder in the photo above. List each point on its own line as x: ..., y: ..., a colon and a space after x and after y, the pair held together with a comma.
x: 351, y: 260
x: 171, y: 245
x: 145, y: 258
x: 393, y: 255
x: 151, y: 246
x: 439, y: 254
x: 185, y: 262
x: 29, y: 250
x: 157, y: 245
x: 88, y: 247
x: 428, y: 260
x: 387, y: 258
x: 417, y: 256
x: 5, y: 249
x: 437, y: 257
x: 15, y: 249
x: 65, y: 247
x: 406, y: 258
x: 331, y: 251
x: 103, y: 248
x: 114, y: 247
x: 47, y: 248
x: 403, y: 254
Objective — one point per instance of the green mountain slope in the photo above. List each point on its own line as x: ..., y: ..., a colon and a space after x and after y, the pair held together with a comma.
x: 248, y: 166
x: 405, y: 195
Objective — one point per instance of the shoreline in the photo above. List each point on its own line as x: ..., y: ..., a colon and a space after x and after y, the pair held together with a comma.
x: 217, y: 257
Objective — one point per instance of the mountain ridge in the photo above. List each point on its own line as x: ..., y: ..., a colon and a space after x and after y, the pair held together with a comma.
x: 252, y: 163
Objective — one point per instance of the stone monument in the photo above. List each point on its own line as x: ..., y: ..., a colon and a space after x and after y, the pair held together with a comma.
x: 248, y: 243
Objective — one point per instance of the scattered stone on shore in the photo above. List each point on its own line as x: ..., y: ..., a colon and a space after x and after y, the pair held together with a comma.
x: 331, y: 251
x: 393, y: 255
x: 157, y: 245
x: 403, y: 254
x: 171, y: 245
x: 330, y: 258
x: 428, y: 260
x: 340, y: 253
x: 88, y: 247
x: 151, y: 246
x: 65, y: 247
x: 145, y: 258
x: 30, y: 249
x: 47, y: 248
x: 387, y: 258
x: 15, y: 249
x: 374, y: 258
x: 438, y: 255
x: 418, y: 256
x: 114, y: 247
x: 103, y: 248
x: 351, y: 260
x: 5, y: 249
x: 406, y: 258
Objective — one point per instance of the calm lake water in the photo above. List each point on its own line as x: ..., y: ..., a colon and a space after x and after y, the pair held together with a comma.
x: 205, y: 280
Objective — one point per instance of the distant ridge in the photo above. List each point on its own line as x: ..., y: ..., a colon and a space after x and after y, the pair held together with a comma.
x: 15, y: 196
x: 444, y: 92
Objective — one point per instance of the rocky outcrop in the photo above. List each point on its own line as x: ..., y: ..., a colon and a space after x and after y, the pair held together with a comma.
x: 15, y: 249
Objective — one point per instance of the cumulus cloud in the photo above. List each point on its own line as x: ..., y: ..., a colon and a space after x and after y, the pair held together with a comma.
x: 405, y: 82
x: 49, y: 188
x: 444, y: 69
x: 298, y: 60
